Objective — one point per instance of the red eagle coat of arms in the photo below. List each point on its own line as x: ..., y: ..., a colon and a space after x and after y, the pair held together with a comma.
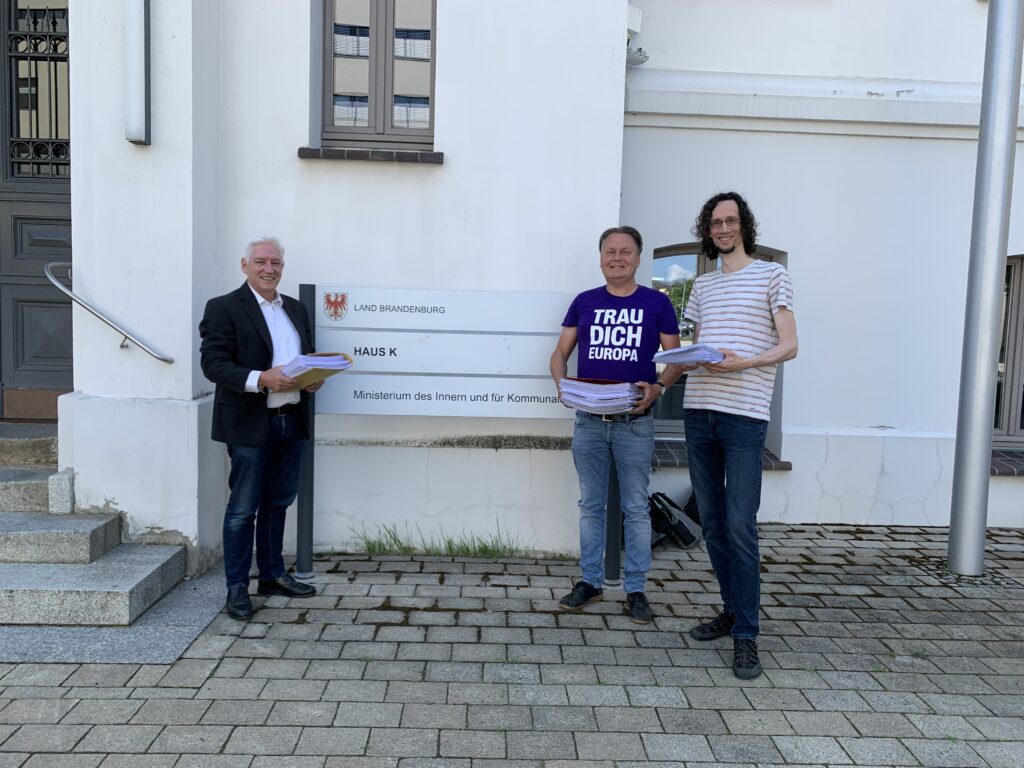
x: 335, y: 305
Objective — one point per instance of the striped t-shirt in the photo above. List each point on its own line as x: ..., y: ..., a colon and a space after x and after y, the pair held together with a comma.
x: 735, y: 311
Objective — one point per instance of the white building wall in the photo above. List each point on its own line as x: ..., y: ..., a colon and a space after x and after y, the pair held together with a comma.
x: 940, y: 40
x: 867, y: 186
x: 529, y: 180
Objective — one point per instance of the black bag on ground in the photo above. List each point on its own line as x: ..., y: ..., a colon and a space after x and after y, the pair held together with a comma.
x: 667, y: 518
x: 690, y: 509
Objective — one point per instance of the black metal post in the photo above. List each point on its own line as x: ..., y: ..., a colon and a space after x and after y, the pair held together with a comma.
x: 613, y: 534
x: 304, y: 520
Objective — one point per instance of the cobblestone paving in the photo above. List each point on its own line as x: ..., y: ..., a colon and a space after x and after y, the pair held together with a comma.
x: 873, y: 656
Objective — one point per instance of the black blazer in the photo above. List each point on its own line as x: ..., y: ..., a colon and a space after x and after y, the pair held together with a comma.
x: 235, y: 341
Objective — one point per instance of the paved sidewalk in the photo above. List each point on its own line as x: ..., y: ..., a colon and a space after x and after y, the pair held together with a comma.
x: 873, y: 655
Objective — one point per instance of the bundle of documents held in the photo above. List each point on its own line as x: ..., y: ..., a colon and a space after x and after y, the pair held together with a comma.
x: 689, y: 355
x: 595, y: 396
x: 309, y: 369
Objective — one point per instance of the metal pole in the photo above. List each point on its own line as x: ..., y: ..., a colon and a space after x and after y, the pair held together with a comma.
x: 304, y: 520
x: 613, y: 532
x: 1000, y: 102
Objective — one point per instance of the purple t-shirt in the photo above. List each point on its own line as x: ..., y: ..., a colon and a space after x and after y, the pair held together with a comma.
x: 618, y: 335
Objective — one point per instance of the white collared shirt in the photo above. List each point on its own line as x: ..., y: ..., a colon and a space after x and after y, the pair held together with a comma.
x: 285, y: 341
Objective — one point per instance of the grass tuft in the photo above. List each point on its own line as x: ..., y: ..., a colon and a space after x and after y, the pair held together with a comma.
x: 388, y: 540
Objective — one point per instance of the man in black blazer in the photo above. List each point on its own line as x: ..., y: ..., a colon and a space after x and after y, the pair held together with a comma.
x: 247, y: 337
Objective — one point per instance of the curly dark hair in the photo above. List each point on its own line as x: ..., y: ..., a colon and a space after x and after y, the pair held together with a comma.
x: 748, y: 224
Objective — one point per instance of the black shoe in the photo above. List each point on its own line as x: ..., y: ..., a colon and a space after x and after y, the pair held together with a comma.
x: 582, y: 593
x: 285, y: 585
x: 720, y: 626
x: 639, y: 609
x: 238, y: 604
x: 745, y: 664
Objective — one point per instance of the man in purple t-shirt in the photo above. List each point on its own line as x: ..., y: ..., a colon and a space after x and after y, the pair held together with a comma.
x: 618, y: 328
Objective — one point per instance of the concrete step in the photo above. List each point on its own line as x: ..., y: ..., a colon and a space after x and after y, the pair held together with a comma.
x: 36, y: 537
x: 24, y: 487
x: 28, y: 443
x: 111, y: 591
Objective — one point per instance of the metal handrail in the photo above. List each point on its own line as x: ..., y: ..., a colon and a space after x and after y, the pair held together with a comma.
x: 95, y: 312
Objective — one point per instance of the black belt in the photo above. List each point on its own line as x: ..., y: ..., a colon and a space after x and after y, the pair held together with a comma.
x: 284, y: 410
x: 618, y: 416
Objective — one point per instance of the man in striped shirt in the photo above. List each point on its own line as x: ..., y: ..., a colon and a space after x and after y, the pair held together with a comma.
x: 745, y: 309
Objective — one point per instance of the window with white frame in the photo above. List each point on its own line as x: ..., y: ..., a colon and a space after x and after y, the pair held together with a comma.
x: 379, y: 73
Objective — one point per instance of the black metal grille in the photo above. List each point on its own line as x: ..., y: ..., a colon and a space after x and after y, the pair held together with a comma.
x: 37, y: 52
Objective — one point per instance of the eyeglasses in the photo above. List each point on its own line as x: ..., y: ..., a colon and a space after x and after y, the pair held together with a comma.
x: 730, y: 222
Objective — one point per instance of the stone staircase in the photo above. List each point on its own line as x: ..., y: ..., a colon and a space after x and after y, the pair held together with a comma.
x: 67, y: 569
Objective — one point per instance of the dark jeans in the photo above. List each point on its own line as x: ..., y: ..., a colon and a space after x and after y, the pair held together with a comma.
x: 724, y: 453
x: 264, y: 482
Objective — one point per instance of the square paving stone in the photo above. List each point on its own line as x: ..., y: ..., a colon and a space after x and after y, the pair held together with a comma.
x: 102, y: 675
x: 936, y: 753
x: 263, y: 740
x: 628, y: 719
x: 877, y: 751
x: 820, y: 724
x: 192, y: 739
x: 237, y: 712
x: 368, y: 715
x: 478, y: 693
x: 489, y: 717
x: 753, y: 723
x: 102, y: 712
x: 525, y: 745
x: 677, y: 747
x: 355, y: 690
x: 118, y: 738
x: 36, y: 710
x: 563, y: 719
x: 1001, y: 755
x: 403, y: 742
x: 811, y: 749
x: 304, y: 713
x: 417, y: 693
x: 44, y: 738
x: 434, y: 716
x: 332, y: 741
x: 472, y: 744
x: 609, y: 746
x: 744, y: 749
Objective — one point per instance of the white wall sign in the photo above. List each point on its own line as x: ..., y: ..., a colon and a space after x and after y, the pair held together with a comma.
x: 440, y: 353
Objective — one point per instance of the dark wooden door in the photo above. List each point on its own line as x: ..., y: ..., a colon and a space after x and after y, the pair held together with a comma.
x: 35, y: 208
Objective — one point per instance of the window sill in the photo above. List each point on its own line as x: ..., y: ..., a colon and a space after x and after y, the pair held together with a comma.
x: 1007, y: 462
x: 671, y: 453
x: 380, y: 155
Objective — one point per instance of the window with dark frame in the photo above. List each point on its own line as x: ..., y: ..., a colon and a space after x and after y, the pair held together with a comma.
x: 37, y: 120
x: 379, y: 74
x: 1008, y: 421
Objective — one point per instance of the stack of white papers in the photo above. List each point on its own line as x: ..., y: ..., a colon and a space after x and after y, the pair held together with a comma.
x: 309, y: 369
x: 329, y: 361
x: 599, y: 397
x: 690, y: 355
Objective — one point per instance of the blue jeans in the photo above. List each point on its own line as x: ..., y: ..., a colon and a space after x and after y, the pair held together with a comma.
x: 724, y: 453
x: 631, y: 443
x: 264, y: 481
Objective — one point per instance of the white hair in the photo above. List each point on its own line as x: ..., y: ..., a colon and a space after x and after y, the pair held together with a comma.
x: 263, y: 240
